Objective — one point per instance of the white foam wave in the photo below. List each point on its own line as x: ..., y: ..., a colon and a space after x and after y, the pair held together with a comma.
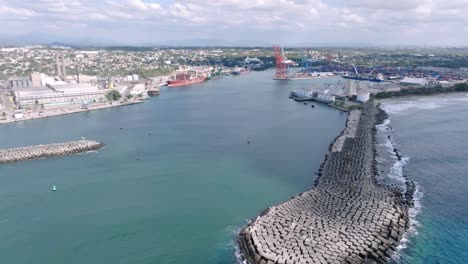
x: 396, y: 106
x: 401, y: 106
x: 396, y: 171
x: 413, y: 224
x: 87, y: 152
x: 384, y: 125
x: 234, y: 231
x: 384, y: 129
x: 239, y: 258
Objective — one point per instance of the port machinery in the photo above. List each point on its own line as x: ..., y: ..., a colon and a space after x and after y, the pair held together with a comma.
x: 281, y: 64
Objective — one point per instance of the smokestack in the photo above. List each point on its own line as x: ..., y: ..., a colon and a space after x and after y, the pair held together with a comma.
x: 64, y: 69
x: 77, y: 73
x: 57, y: 66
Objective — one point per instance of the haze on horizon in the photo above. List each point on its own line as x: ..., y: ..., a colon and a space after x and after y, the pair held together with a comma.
x: 248, y: 22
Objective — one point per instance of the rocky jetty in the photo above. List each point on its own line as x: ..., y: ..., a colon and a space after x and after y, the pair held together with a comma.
x: 347, y: 218
x: 49, y: 150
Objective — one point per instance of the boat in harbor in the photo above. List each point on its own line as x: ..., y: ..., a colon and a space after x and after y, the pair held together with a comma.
x: 240, y: 71
x: 378, y: 78
x: 364, y: 77
x: 182, y: 79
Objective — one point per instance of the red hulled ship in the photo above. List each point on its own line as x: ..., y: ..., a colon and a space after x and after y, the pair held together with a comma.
x: 185, y: 79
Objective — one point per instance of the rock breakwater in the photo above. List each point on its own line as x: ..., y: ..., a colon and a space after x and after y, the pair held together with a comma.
x: 347, y: 218
x: 49, y: 150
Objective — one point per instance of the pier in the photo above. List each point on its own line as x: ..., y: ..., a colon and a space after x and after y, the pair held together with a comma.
x: 346, y: 218
x: 49, y: 150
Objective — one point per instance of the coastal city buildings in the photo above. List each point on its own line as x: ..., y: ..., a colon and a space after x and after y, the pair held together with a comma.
x: 42, y: 77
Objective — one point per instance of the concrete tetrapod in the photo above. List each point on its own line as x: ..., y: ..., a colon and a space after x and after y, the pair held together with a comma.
x: 49, y: 150
x: 347, y: 218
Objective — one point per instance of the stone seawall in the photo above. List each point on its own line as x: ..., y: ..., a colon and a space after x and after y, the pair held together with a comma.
x: 49, y: 150
x: 346, y: 218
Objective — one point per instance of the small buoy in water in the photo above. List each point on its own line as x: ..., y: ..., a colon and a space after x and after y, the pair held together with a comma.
x: 313, y: 106
x: 54, y: 188
x: 248, y: 142
x: 121, y: 128
x: 149, y: 133
x: 305, y: 103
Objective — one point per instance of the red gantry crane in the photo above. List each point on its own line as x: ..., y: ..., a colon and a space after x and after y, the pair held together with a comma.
x: 281, y: 65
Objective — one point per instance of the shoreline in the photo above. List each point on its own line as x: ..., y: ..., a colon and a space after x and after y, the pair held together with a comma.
x: 309, y: 228
x: 67, y: 112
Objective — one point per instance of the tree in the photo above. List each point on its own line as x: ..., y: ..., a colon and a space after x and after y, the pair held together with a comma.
x: 113, y: 95
x: 461, y: 87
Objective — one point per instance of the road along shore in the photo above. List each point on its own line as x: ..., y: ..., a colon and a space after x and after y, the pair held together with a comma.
x: 71, y: 109
x: 49, y: 150
x: 346, y: 218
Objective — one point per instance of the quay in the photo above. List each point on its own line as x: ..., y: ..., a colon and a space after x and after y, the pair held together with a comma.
x: 49, y: 150
x: 346, y: 218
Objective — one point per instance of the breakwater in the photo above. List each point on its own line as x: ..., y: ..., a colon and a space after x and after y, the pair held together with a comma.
x: 347, y: 218
x: 48, y: 150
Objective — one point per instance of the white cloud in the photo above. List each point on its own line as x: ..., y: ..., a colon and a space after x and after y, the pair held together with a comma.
x: 300, y: 20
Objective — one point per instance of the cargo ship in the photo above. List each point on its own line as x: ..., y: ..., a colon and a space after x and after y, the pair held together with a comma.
x: 365, y: 77
x: 378, y: 78
x: 182, y: 79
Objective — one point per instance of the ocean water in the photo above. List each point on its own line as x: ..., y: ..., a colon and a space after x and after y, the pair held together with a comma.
x: 431, y: 135
x: 195, y: 184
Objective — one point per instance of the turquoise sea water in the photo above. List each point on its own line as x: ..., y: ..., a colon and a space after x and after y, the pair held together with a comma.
x: 196, y: 184
x: 431, y: 133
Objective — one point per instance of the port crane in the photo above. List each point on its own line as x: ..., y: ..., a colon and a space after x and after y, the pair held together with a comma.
x: 281, y: 63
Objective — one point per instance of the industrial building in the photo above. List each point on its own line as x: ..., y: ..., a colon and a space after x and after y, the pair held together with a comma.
x: 407, y: 81
x: 19, y: 82
x: 363, y: 96
x: 54, y: 95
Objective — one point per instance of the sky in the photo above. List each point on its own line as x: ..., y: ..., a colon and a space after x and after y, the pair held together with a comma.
x: 249, y: 22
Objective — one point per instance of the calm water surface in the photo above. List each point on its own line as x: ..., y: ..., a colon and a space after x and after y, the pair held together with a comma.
x: 197, y: 182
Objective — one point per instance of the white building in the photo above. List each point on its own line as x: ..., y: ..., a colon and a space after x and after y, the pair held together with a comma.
x: 138, y: 89
x: 408, y: 81
x: 326, y: 98
x: 54, y: 95
x: 19, y: 82
x: 351, y: 88
x: 363, y: 97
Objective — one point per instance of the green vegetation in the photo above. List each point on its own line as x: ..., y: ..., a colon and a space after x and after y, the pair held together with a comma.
x: 340, y: 103
x: 460, y: 87
x: 113, y: 95
x: 354, y: 107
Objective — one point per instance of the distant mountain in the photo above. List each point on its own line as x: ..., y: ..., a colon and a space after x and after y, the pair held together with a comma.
x: 83, y: 42
x: 52, y: 40
x: 213, y: 43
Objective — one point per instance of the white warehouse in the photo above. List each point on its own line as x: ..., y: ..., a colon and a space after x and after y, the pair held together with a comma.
x: 58, y: 95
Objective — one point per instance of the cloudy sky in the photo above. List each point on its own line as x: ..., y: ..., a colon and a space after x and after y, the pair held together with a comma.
x: 376, y: 22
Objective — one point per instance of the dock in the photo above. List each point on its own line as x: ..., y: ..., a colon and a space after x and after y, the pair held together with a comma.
x: 346, y: 218
x: 49, y: 150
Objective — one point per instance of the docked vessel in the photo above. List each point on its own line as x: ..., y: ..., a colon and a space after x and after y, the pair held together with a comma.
x: 182, y: 79
x: 378, y: 78
x: 306, y: 76
x: 365, y: 77
x: 240, y: 71
x: 152, y: 89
